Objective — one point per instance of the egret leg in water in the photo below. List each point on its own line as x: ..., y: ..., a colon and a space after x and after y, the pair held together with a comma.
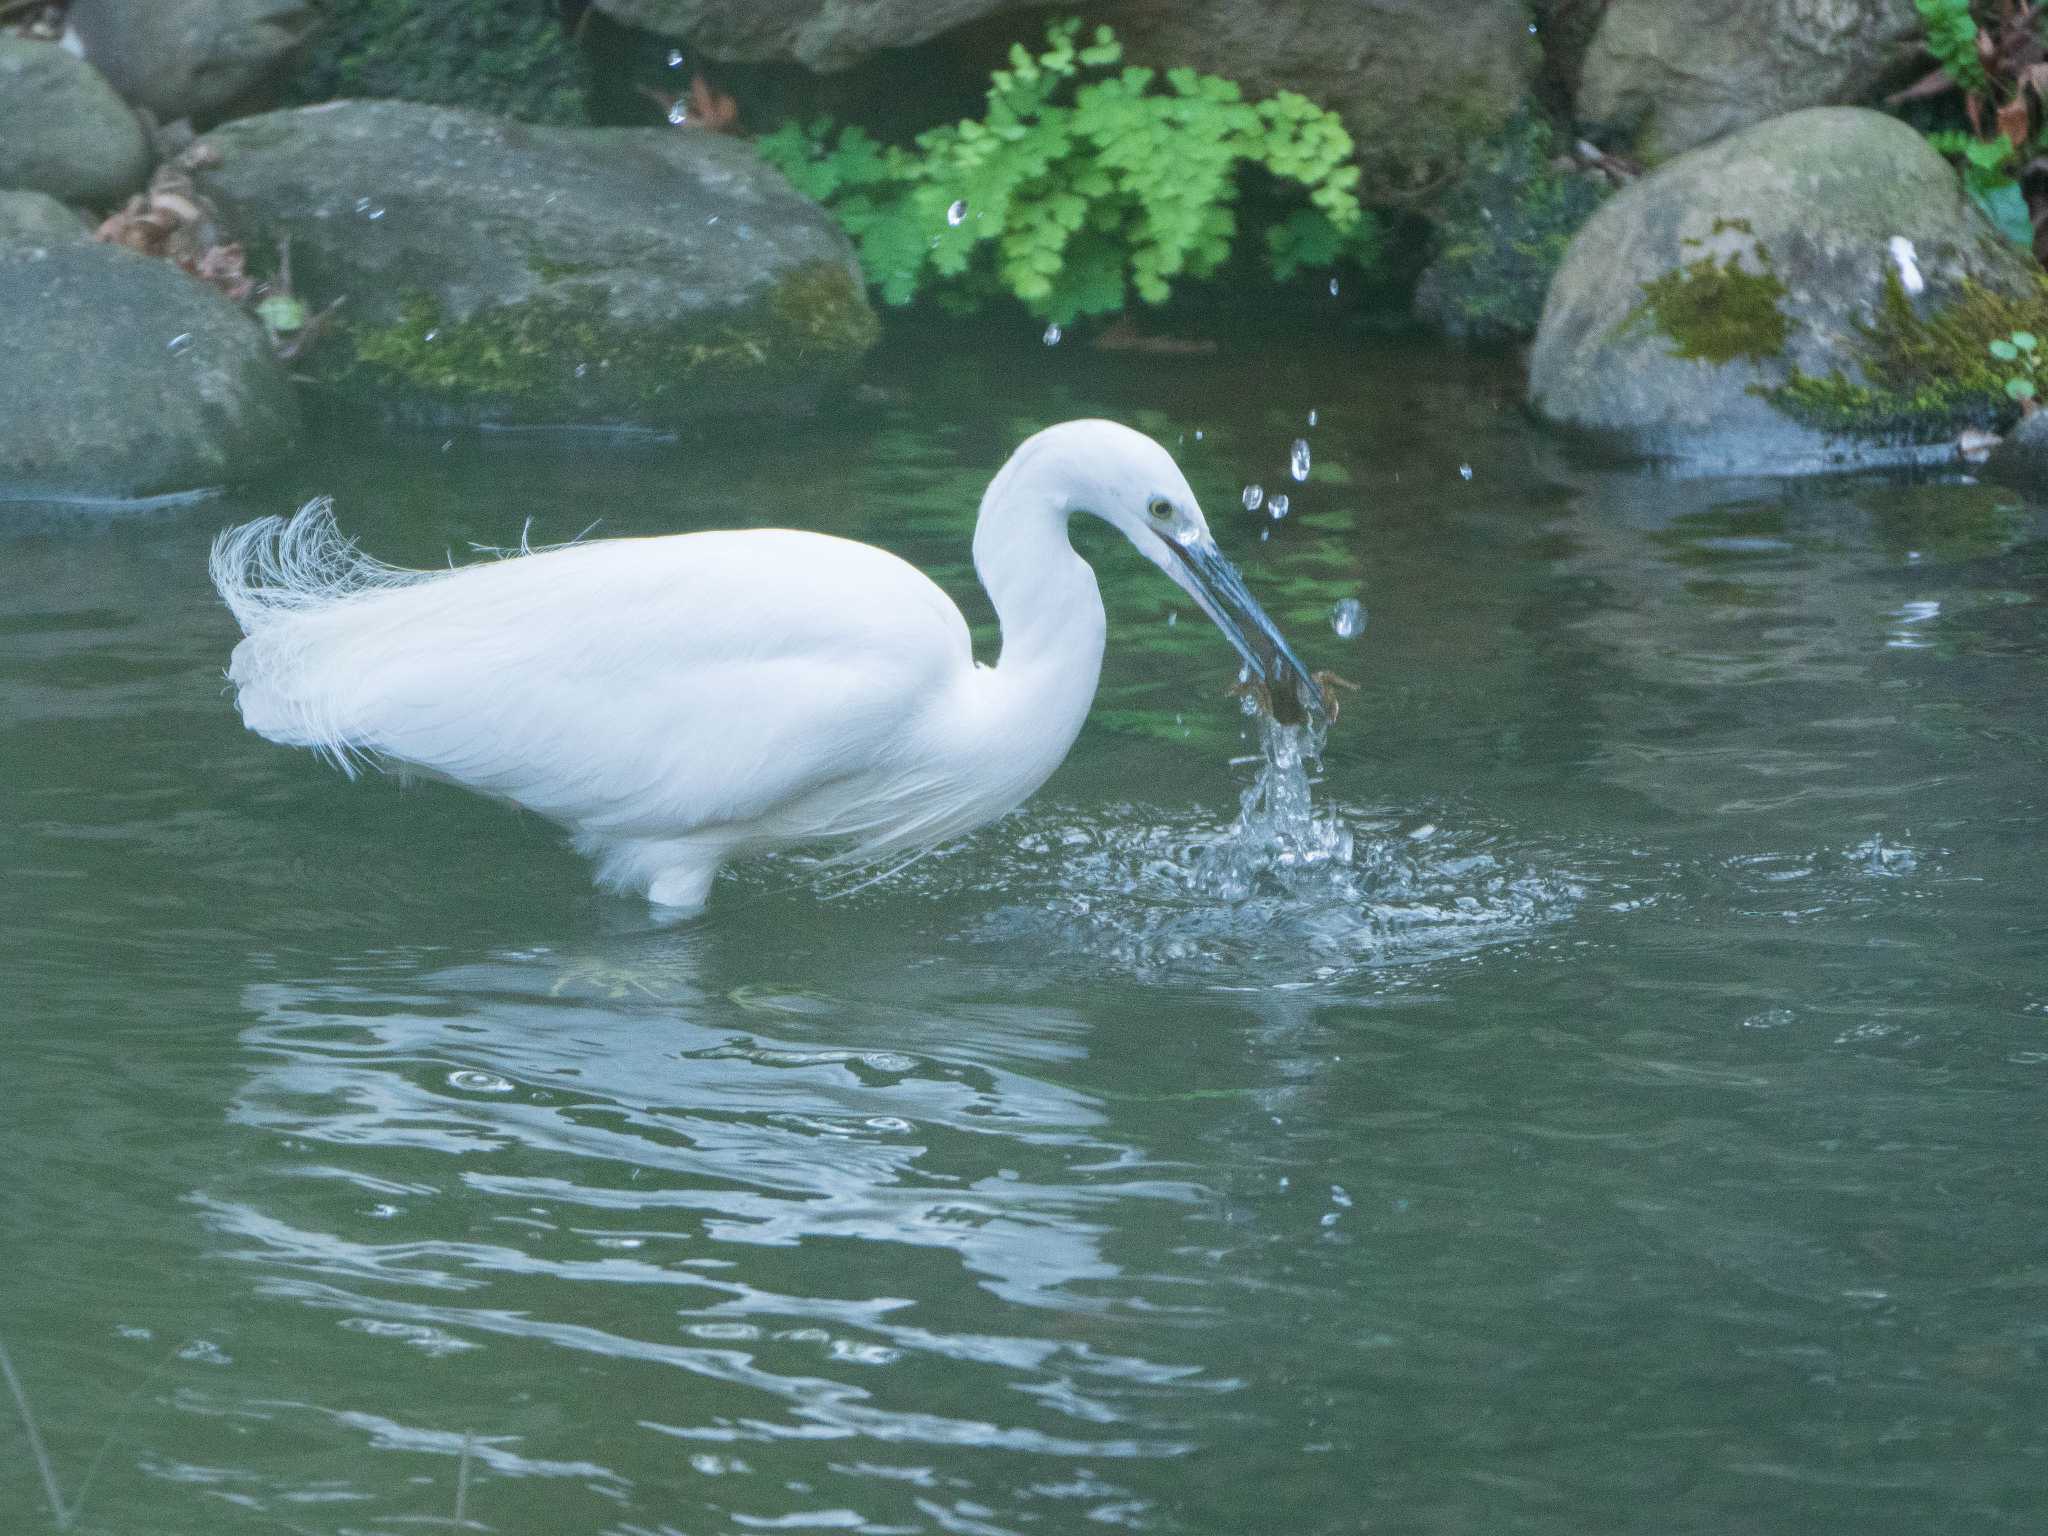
x: 675, y: 702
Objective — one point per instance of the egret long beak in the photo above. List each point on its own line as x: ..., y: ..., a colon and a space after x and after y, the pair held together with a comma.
x: 1213, y: 582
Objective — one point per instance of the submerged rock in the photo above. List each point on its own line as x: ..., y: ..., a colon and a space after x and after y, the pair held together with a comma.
x: 126, y: 377
x: 495, y: 272
x: 1719, y: 313
x: 1663, y: 76
x: 63, y: 130
x: 191, y: 58
x: 36, y: 218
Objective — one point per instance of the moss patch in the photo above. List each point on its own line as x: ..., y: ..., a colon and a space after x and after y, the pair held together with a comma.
x: 561, y: 357
x: 1719, y: 311
x: 509, y: 57
x: 1930, y: 375
x: 1502, y: 233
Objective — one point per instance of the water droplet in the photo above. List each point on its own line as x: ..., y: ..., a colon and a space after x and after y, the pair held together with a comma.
x: 1333, y: 287
x: 369, y: 209
x: 472, y: 1081
x: 1248, y: 703
x: 182, y: 342
x: 675, y: 58
x: 1172, y: 617
x: 678, y: 114
x: 1198, y: 434
x: 1464, y: 471
x: 1297, y: 465
x: 1052, y: 336
x: 1348, y: 619
x: 1253, y: 495
x: 582, y: 369
x: 1311, y: 418
x: 1265, y: 534
x: 431, y: 335
x: 1278, y: 507
x: 957, y: 214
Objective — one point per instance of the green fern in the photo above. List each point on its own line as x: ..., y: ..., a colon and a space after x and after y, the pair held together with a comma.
x: 1081, y: 184
x: 1952, y: 39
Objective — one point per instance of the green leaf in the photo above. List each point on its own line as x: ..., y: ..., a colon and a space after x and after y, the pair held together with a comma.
x: 2007, y: 207
x: 2024, y: 340
x: 2020, y: 389
x: 2004, y: 350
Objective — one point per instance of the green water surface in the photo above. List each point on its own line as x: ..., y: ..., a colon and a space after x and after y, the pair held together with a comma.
x: 1645, y: 1134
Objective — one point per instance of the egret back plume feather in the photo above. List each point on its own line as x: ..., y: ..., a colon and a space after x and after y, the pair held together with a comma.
x: 287, y: 565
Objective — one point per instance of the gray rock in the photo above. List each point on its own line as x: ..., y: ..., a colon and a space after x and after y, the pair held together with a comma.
x: 1663, y: 76
x: 1416, y: 81
x: 36, y: 218
x: 191, y: 58
x: 126, y: 377
x: 1710, y: 281
x: 63, y: 130
x: 501, y: 272
x: 2022, y: 458
x: 824, y: 35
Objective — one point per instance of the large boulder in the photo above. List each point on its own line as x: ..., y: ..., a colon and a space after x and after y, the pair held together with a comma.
x: 36, y: 218
x: 126, y: 377
x: 1662, y: 76
x: 824, y: 35
x: 63, y: 130
x: 191, y: 58
x: 1720, y: 312
x: 496, y: 272
x: 1416, y: 81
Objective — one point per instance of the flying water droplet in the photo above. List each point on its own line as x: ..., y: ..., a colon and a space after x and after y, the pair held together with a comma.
x: 1297, y: 465
x: 182, y: 342
x: 1172, y: 617
x: 678, y: 114
x: 1052, y: 336
x: 369, y: 209
x: 1348, y: 619
x: 957, y: 214
x: 1311, y: 418
x: 675, y: 58
x: 1253, y: 495
x: 1464, y: 471
x: 582, y: 369
x: 1333, y: 287
x: 1278, y: 507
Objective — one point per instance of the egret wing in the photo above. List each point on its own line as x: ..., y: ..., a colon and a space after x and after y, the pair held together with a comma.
x: 632, y: 687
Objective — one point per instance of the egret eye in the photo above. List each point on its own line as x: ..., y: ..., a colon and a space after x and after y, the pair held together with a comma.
x: 1162, y: 509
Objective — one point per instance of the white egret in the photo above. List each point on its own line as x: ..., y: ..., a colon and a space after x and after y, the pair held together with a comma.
x: 678, y: 701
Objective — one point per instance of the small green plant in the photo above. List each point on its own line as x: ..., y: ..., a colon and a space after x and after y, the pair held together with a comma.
x: 2021, y: 353
x: 1080, y: 184
x: 1952, y: 39
x: 1997, y: 68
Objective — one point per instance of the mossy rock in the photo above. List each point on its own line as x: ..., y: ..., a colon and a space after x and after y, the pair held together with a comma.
x: 510, y: 57
x: 494, y: 272
x: 1751, y: 305
x: 1502, y: 229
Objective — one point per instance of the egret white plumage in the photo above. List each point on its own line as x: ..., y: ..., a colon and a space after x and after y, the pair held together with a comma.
x: 678, y: 701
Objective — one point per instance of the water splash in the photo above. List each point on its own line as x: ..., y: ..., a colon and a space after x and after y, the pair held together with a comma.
x: 1253, y: 495
x: 1277, y: 834
x: 957, y: 214
x: 1052, y: 339
x: 1278, y: 507
x: 1298, y: 461
x: 1347, y: 618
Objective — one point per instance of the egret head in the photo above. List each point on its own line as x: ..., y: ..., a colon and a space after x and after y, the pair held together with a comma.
x: 1133, y: 484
